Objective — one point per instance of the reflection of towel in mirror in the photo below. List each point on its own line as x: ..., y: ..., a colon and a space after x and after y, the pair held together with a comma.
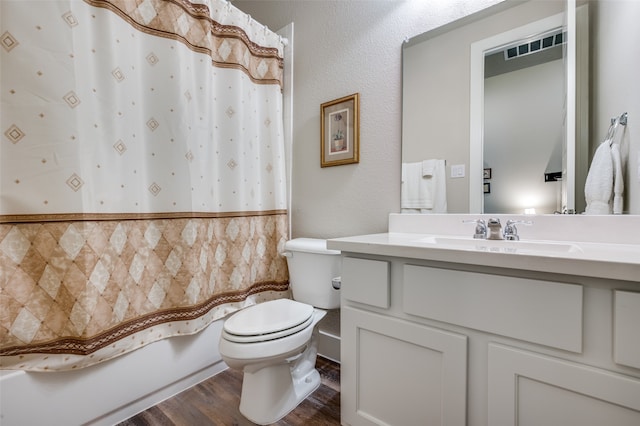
x: 424, y: 187
x: 598, y: 187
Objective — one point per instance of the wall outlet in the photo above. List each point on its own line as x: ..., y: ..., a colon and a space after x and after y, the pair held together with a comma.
x: 457, y: 171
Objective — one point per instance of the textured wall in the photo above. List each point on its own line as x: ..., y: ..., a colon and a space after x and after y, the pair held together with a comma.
x: 616, y: 88
x: 343, y: 47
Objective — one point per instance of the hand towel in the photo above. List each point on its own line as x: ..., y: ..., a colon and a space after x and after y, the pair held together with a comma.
x: 439, y: 187
x: 415, y: 191
x: 618, y: 182
x: 428, y: 167
x: 598, y: 187
x: 424, y: 187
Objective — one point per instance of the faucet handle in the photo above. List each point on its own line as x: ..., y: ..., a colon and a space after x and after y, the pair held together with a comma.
x: 510, y: 231
x: 481, y: 228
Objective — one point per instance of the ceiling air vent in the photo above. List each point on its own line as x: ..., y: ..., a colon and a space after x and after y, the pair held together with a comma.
x: 538, y: 44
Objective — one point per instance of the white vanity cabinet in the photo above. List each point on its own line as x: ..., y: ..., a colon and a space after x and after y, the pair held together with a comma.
x: 395, y: 371
x: 427, y: 342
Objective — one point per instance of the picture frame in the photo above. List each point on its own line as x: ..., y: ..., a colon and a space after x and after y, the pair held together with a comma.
x: 340, y: 131
x: 486, y: 174
x: 487, y: 188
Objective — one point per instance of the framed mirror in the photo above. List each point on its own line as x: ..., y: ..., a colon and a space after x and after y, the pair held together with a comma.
x: 444, y: 110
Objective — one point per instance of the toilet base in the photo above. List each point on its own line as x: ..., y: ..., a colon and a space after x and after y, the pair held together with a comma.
x: 273, y: 392
x: 272, y: 386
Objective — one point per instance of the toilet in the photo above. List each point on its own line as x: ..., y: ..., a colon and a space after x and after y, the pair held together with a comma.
x: 275, y: 343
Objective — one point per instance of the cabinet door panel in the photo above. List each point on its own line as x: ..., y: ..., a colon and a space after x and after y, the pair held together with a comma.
x: 399, y: 373
x: 366, y: 281
x: 545, y: 312
x: 526, y: 388
x: 626, y: 338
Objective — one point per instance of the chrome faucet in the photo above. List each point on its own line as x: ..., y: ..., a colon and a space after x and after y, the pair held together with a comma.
x: 492, y: 229
x: 495, y: 229
x: 481, y: 228
x: 511, y: 232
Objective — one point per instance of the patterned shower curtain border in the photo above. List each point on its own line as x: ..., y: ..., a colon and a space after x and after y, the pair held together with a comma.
x: 75, y: 217
x: 78, y: 293
x: 87, y: 346
x: 64, y: 360
x: 229, y: 46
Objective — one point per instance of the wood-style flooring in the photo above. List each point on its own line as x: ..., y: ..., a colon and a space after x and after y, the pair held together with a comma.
x: 215, y: 402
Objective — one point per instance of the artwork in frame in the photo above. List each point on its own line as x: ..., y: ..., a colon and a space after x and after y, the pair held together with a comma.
x: 340, y: 131
x: 486, y: 174
x: 487, y: 188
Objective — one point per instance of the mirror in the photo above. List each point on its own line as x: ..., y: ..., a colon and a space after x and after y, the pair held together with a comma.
x: 520, y: 86
x: 523, y: 125
x: 449, y: 111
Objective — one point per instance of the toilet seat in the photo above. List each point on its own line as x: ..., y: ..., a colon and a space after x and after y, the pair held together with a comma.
x: 268, y: 321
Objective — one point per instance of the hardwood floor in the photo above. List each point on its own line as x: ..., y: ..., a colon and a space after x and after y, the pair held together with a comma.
x: 215, y: 402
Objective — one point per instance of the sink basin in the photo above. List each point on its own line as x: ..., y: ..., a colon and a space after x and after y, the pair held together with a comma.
x: 501, y: 246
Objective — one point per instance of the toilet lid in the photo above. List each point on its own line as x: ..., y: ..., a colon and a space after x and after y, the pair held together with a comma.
x: 269, y: 317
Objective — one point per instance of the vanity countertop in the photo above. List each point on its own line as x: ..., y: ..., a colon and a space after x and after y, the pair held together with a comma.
x: 599, y: 260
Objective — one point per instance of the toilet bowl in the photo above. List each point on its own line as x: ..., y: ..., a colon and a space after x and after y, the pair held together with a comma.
x: 279, y: 372
x: 275, y: 343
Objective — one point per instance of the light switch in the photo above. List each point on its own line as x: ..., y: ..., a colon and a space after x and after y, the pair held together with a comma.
x: 457, y: 171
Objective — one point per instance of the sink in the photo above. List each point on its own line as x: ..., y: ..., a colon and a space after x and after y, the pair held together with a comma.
x: 500, y: 246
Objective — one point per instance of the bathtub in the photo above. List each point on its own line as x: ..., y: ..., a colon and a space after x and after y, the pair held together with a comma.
x: 110, y: 392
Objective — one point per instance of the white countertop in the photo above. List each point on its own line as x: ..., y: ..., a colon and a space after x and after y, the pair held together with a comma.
x: 591, y: 259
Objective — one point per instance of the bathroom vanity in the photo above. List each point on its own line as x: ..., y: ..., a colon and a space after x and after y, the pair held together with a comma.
x: 438, y: 328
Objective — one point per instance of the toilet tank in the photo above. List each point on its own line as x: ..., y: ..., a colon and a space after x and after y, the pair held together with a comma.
x: 311, y: 268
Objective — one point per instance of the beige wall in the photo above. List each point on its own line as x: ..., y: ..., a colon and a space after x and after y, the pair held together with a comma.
x: 343, y: 47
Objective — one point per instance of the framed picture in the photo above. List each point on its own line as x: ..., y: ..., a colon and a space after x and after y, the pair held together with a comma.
x: 486, y: 174
x: 340, y: 131
x: 487, y: 188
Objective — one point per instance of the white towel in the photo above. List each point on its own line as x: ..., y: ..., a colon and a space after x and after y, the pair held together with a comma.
x: 618, y: 183
x: 598, y: 187
x: 424, y: 187
x: 416, y: 193
x: 429, y: 167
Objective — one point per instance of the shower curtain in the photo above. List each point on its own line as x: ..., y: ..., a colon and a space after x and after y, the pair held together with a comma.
x: 142, y: 174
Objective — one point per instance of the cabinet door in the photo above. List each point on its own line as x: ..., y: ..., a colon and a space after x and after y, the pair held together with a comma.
x: 399, y: 373
x: 526, y: 388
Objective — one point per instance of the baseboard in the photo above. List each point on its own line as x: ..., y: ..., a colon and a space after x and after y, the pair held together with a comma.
x: 329, y: 346
x: 158, y: 396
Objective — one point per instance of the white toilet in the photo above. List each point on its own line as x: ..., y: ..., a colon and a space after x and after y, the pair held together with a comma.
x: 275, y: 343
